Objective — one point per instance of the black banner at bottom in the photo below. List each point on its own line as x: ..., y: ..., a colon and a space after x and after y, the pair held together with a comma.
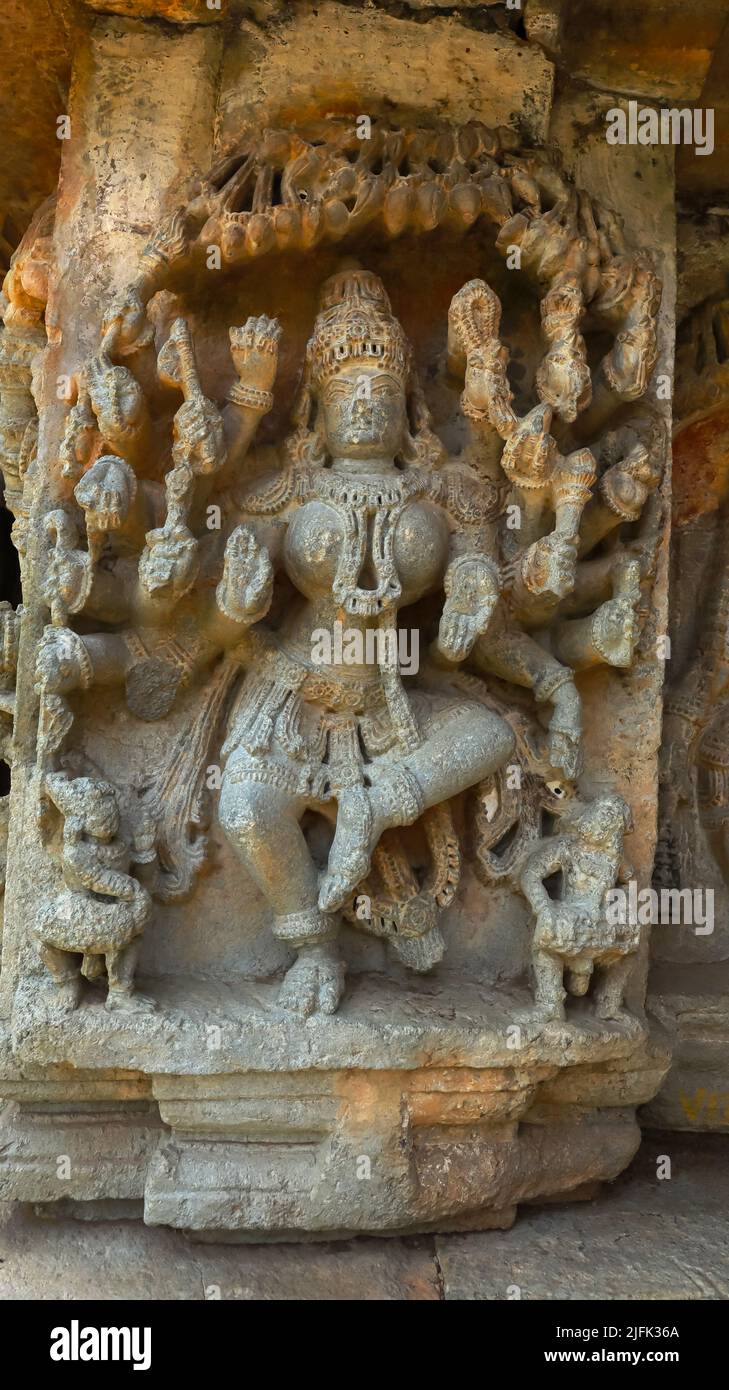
x: 161, y: 1338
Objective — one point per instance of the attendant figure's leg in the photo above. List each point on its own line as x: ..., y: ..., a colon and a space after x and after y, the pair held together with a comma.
x: 549, y: 992
x: 121, y: 966
x: 64, y: 969
x: 612, y: 980
x: 455, y: 754
x: 262, y: 824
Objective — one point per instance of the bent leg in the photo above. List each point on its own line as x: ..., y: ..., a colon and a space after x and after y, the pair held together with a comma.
x: 456, y: 753
x: 262, y: 824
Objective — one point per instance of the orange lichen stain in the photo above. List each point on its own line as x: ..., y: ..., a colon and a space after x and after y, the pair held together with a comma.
x: 463, y: 1079
x: 370, y: 1099
x: 435, y: 1096
x: 174, y: 11
x: 700, y: 467
x: 341, y: 99
x: 456, y: 1108
x: 107, y: 1084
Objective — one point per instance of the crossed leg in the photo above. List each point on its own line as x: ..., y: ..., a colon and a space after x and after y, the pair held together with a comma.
x: 455, y: 754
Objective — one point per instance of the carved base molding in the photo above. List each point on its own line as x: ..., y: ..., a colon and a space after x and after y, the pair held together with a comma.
x: 450, y: 1130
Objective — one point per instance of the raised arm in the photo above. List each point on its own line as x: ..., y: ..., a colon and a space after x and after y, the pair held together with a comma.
x: 254, y: 349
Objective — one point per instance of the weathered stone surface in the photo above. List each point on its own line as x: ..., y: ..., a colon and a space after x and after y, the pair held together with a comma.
x: 660, y: 49
x: 637, y: 1239
x: 29, y: 107
x: 642, y: 1238
x: 690, y: 985
x: 440, y: 66
x: 692, y: 1001
x: 459, y: 317
x: 59, y: 1258
x: 321, y: 1150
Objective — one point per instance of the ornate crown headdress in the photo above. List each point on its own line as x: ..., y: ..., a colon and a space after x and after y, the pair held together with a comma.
x: 356, y: 323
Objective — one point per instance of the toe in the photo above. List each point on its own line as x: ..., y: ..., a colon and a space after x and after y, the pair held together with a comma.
x: 330, y: 992
x: 298, y: 996
x: 332, y: 893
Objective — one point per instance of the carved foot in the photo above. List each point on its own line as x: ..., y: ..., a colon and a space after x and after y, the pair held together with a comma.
x: 610, y: 1011
x: 314, y: 983
x: 349, y: 856
x: 547, y: 1011
x: 124, y: 1001
x: 66, y: 995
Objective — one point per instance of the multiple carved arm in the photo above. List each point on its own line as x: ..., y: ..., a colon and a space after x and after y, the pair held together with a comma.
x: 585, y: 610
x: 144, y: 551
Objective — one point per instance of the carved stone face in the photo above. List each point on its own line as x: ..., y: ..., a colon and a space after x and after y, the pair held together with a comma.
x: 364, y: 413
x: 604, y: 819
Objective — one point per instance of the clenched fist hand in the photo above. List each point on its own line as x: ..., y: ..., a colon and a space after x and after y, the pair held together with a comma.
x: 254, y: 349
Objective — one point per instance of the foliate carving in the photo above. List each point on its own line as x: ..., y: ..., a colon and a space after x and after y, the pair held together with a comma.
x: 362, y: 514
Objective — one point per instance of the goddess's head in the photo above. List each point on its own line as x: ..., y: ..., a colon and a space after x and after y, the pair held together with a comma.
x: 359, y: 376
x: 363, y: 413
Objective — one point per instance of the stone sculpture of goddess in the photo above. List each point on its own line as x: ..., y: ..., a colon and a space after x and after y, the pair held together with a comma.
x: 368, y: 530
x: 365, y: 516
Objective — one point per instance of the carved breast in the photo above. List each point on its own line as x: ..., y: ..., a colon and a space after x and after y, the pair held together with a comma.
x: 319, y: 531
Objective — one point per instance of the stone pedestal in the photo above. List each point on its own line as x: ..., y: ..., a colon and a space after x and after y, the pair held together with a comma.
x: 408, y: 1111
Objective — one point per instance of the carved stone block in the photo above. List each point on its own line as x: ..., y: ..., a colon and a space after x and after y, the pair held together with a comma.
x: 338, y: 672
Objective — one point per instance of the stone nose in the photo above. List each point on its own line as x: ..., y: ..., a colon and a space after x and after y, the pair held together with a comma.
x: 360, y: 406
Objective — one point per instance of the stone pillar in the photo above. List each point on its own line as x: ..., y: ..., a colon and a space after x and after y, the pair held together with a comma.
x: 689, y: 983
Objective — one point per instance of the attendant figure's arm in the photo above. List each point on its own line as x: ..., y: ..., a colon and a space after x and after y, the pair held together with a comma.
x: 97, y: 878
x: 544, y: 861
